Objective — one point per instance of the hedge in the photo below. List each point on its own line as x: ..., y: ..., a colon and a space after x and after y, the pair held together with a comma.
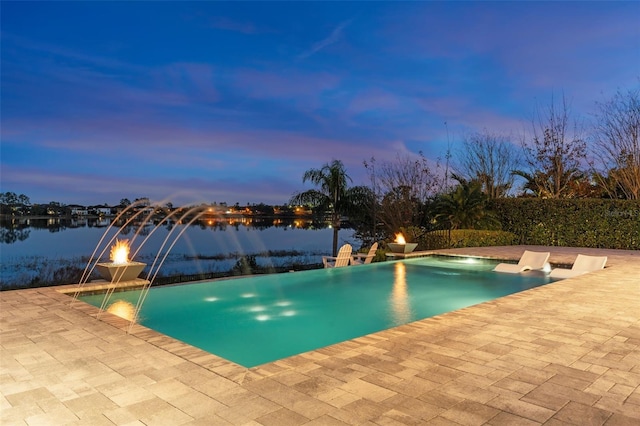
x: 597, y: 223
x: 481, y: 238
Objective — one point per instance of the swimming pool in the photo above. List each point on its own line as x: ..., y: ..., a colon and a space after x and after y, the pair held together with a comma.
x: 259, y: 319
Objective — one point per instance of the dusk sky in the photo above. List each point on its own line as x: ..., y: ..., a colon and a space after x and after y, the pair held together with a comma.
x: 231, y: 102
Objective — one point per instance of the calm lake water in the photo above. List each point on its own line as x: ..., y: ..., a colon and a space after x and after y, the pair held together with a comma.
x: 30, y: 248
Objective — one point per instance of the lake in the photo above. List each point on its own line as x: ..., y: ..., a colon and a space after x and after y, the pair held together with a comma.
x: 32, y: 248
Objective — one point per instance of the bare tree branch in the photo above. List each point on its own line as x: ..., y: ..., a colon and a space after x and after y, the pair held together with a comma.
x: 489, y: 159
x: 617, y: 146
x: 555, y: 151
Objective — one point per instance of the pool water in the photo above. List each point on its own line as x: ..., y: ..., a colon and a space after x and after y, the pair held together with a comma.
x: 259, y: 319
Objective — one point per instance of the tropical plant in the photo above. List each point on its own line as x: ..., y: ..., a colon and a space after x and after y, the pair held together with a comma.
x: 333, y: 195
x: 465, y: 207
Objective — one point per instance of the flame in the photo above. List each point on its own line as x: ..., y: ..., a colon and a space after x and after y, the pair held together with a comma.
x: 400, y: 238
x: 120, y: 252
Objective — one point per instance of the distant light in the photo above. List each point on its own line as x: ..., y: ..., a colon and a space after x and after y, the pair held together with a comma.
x: 263, y: 317
x: 470, y: 260
x: 257, y: 308
x: 211, y: 299
x: 246, y: 295
x: 283, y: 303
x: 289, y: 313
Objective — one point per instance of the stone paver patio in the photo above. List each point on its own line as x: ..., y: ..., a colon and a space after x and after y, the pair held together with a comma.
x: 565, y: 353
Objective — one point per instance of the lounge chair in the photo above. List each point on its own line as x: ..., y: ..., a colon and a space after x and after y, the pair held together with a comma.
x: 364, y: 259
x: 582, y: 265
x: 342, y: 259
x: 530, y: 260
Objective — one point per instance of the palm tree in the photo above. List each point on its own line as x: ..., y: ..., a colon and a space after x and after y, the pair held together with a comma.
x: 333, y: 194
x: 465, y: 207
x: 547, y: 185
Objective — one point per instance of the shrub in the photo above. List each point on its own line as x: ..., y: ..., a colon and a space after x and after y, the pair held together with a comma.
x: 597, y: 223
x: 480, y: 238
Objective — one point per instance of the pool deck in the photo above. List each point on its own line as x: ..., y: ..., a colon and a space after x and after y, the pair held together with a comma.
x: 564, y: 354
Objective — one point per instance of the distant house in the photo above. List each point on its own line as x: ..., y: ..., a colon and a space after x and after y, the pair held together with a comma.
x: 77, y: 210
x: 101, y: 210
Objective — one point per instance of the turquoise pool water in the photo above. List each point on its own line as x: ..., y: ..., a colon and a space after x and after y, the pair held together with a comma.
x: 259, y: 319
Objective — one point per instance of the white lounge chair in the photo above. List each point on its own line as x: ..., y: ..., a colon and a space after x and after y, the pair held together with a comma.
x: 364, y: 259
x: 530, y: 260
x: 342, y: 259
x: 582, y: 265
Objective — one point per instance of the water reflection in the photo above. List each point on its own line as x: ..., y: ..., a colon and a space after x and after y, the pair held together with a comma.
x: 401, y: 309
x: 123, y: 309
x: 18, y: 229
x: 10, y: 236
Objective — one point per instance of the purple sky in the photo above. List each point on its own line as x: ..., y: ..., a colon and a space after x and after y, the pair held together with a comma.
x: 214, y: 101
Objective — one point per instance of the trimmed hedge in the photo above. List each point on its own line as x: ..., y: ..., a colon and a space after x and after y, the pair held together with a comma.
x: 481, y: 238
x: 597, y: 223
x: 464, y: 238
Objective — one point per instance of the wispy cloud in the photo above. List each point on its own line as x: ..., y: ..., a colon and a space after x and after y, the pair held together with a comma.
x: 225, y: 23
x: 333, y: 38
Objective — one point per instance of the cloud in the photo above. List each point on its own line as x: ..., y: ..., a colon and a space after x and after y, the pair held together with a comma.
x: 287, y: 83
x: 374, y: 100
x: 332, y: 38
x: 103, y: 186
x: 225, y: 23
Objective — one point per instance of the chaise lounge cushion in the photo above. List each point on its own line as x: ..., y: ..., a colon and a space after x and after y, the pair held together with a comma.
x: 530, y: 260
x: 582, y: 265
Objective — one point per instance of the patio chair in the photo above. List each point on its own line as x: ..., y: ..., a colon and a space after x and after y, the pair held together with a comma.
x: 364, y: 259
x: 530, y: 260
x: 582, y: 265
x: 342, y: 259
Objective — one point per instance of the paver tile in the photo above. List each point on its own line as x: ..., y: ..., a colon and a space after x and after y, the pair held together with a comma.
x: 580, y: 414
x: 282, y: 417
x: 522, y: 408
x: 470, y: 413
x: 367, y: 390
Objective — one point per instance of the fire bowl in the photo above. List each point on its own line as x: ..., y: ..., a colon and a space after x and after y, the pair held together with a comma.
x: 402, y: 248
x: 118, y: 272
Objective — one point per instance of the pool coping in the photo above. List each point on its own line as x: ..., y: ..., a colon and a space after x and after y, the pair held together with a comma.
x: 348, y: 382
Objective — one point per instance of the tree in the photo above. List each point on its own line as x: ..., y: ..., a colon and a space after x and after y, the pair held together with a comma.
x: 465, y: 207
x: 617, y: 144
x: 555, y: 152
x: 403, y: 189
x: 24, y: 200
x: 332, y: 195
x: 489, y: 159
x: 11, y: 203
